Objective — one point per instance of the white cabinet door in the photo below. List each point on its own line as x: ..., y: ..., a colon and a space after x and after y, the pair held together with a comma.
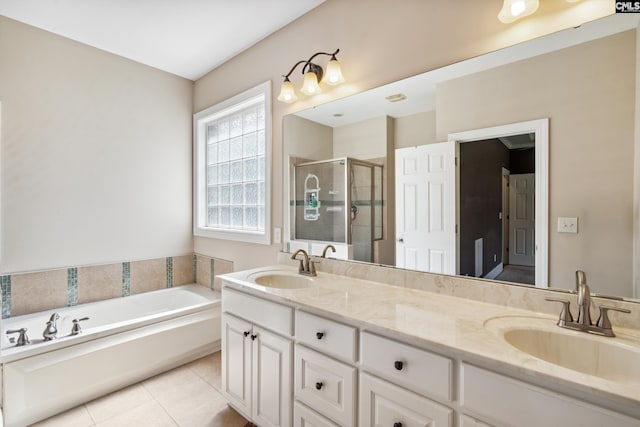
x: 385, y: 404
x: 326, y: 385
x: 271, y: 385
x: 236, y: 362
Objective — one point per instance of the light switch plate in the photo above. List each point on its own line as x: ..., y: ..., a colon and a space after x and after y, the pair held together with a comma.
x: 567, y: 225
x: 277, y: 235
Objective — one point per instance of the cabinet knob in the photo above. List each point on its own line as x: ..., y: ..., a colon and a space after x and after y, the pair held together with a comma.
x: 397, y: 424
x: 246, y: 333
x: 253, y: 337
x: 319, y: 335
x: 319, y: 385
x: 398, y: 365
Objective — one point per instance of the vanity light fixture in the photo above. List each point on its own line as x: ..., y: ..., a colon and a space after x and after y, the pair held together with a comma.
x: 516, y: 9
x: 313, y: 73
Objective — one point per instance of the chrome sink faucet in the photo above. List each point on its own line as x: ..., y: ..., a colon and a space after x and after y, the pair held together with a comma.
x: 583, y: 323
x: 326, y: 248
x: 307, y: 266
x: 584, y: 298
x: 51, y: 331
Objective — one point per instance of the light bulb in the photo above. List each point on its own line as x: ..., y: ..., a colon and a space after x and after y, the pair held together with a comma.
x: 333, y: 76
x: 516, y: 9
x: 310, y: 85
x: 287, y: 92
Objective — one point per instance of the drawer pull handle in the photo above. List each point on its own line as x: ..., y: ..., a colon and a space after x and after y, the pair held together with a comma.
x: 246, y: 333
x: 319, y: 335
x: 397, y: 424
x: 253, y: 337
x: 319, y: 385
x: 398, y: 365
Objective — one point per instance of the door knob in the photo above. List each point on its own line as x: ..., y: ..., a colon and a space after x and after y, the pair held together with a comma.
x: 401, y: 240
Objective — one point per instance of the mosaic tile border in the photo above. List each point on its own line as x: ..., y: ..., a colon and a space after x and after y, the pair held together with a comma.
x: 5, y: 287
x: 72, y: 286
x: 169, y: 272
x: 126, y: 279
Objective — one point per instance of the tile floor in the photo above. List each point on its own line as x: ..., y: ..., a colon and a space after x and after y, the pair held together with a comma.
x: 188, y: 396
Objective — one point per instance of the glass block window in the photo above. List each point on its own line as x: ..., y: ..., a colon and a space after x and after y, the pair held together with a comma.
x: 232, y: 143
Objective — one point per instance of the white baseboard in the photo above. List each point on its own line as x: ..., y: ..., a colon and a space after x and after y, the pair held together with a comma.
x: 495, y: 272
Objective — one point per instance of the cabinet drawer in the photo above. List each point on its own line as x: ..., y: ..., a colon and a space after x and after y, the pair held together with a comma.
x: 467, y: 421
x: 326, y: 385
x: 270, y: 315
x: 305, y: 417
x: 507, y: 401
x: 329, y: 337
x: 385, y: 404
x: 419, y: 370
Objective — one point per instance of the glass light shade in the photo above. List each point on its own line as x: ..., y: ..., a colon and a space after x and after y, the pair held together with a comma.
x: 287, y: 92
x: 516, y: 9
x: 310, y: 85
x: 333, y: 75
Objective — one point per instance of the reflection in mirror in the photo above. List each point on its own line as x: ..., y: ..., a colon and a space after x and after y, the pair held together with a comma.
x: 581, y: 82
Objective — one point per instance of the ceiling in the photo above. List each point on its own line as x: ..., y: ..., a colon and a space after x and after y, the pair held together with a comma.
x: 188, y: 37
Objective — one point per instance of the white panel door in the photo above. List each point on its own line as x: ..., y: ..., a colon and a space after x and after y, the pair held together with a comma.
x: 425, y: 208
x: 236, y: 362
x: 522, y: 221
x: 272, y: 394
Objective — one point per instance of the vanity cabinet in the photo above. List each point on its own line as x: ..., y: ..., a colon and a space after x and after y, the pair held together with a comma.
x: 385, y: 404
x: 283, y: 365
x: 409, y: 375
x: 325, y: 384
x: 501, y: 400
x: 256, y: 362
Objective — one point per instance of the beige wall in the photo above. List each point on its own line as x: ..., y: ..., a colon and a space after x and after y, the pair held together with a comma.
x: 363, y: 140
x: 587, y: 92
x: 417, y: 129
x: 96, y: 155
x: 380, y: 42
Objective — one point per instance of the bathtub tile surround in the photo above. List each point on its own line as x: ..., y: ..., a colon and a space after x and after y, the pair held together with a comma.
x: 183, y: 272
x: 148, y: 275
x: 208, y: 269
x: 169, y: 272
x: 33, y: 292
x: 30, y: 292
x: 5, y: 289
x: 126, y: 279
x: 99, y: 282
x: 72, y: 286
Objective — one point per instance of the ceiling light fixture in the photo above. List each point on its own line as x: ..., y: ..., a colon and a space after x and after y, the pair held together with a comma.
x: 313, y: 74
x: 516, y: 9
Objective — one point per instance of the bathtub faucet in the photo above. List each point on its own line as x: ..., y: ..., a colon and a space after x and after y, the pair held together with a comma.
x: 51, y: 330
x: 76, y: 329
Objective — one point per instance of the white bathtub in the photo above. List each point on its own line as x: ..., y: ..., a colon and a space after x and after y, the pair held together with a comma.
x: 124, y: 341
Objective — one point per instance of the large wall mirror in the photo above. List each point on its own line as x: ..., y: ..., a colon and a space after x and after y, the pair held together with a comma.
x: 515, y: 166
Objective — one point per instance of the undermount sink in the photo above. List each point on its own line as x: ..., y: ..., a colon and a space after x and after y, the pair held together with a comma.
x: 607, y: 358
x: 281, y: 280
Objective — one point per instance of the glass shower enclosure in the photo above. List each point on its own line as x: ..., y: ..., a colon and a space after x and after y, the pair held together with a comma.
x: 339, y: 201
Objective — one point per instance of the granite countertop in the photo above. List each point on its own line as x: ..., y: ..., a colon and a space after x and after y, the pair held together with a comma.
x: 470, y: 330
